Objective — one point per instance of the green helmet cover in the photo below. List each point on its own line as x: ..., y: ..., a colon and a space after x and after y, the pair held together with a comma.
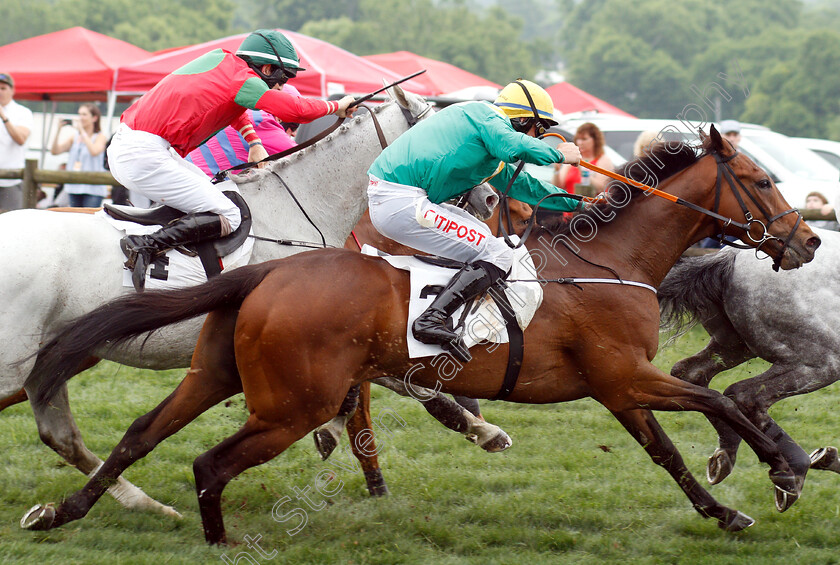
x: 257, y: 49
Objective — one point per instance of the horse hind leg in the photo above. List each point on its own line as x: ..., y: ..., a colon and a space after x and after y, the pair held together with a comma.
x: 59, y: 431
x: 200, y: 390
x: 259, y: 440
x: 646, y: 430
x: 16, y: 398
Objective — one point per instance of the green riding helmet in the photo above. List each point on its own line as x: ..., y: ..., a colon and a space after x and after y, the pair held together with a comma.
x: 269, y: 47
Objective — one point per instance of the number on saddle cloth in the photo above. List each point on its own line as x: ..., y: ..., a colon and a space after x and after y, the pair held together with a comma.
x: 208, y: 251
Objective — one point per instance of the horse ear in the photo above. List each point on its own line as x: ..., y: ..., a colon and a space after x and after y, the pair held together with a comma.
x: 717, y: 143
x: 397, y: 93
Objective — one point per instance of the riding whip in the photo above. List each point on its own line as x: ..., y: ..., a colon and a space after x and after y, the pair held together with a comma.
x: 372, y: 94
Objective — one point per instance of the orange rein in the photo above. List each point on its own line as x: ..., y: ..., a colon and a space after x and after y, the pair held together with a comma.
x: 617, y: 177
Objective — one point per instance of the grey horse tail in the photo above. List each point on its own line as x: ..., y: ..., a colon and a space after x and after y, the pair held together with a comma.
x: 694, y: 287
x: 131, y: 316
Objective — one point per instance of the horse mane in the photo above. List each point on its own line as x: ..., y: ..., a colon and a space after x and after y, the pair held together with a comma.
x: 662, y: 161
x: 342, y: 129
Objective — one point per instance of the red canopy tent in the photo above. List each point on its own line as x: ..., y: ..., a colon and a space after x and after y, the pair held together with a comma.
x: 73, y: 64
x: 568, y: 98
x: 329, y: 68
x: 439, y: 78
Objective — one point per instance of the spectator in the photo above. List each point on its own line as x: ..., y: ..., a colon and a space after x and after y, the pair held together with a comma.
x: 14, y: 135
x: 731, y: 130
x: 645, y: 143
x: 590, y: 139
x: 86, y: 148
x: 817, y: 201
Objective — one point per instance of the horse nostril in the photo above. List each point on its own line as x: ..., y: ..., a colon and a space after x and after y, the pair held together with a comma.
x: 814, y: 242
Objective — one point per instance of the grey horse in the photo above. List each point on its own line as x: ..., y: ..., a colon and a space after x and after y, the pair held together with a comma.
x: 790, y: 319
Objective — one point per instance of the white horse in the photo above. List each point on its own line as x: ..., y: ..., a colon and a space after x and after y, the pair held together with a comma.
x: 60, y: 265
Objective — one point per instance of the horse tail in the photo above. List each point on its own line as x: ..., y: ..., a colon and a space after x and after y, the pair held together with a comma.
x: 131, y: 316
x: 693, y: 289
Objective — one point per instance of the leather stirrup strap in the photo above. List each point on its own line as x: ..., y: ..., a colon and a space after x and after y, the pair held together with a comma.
x: 516, y: 343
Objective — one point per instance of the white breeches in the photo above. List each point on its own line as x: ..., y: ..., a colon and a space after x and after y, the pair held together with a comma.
x: 405, y: 214
x: 144, y: 162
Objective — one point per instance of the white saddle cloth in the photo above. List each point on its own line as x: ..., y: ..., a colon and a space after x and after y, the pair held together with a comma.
x: 181, y: 270
x: 486, y: 323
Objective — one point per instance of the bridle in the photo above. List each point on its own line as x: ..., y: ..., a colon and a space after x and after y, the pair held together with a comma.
x: 724, y: 172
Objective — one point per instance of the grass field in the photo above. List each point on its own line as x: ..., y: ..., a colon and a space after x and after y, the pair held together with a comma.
x: 574, y: 488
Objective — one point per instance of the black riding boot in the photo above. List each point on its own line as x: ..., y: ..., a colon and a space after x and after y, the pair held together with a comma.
x: 141, y: 249
x: 431, y: 326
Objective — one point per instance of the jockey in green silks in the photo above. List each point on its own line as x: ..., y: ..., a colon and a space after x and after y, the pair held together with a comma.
x: 443, y: 157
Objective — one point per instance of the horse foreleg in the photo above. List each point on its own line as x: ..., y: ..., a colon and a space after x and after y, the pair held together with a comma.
x: 655, y: 390
x: 725, y: 350
x: 452, y: 415
x: 59, y: 431
x: 470, y: 404
x: 328, y: 435
x: 16, y: 398
x: 360, y: 433
x: 646, y: 430
x: 756, y: 395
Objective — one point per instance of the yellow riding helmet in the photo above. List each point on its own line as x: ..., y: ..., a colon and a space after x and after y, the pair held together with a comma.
x: 514, y: 101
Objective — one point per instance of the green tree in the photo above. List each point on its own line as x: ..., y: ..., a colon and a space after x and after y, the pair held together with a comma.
x: 486, y: 44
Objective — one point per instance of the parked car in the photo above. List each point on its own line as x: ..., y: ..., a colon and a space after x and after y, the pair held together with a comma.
x: 795, y: 170
x: 825, y: 148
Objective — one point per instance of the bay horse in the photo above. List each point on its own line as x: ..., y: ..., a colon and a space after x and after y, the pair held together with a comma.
x: 462, y: 415
x: 790, y: 320
x: 296, y: 334
x: 59, y: 266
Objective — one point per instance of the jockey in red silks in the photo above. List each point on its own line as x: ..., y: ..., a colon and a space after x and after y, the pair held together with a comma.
x: 185, y: 109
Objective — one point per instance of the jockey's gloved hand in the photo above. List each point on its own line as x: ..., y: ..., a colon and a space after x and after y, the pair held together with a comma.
x: 257, y: 153
x: 344, y: 108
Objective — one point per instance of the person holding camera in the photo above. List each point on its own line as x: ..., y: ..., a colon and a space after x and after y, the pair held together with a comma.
x: 86, y: 153
x: 15, y: 126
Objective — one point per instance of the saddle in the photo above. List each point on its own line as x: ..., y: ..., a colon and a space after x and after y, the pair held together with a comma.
x: 208, y: 251
x: 516, y: 337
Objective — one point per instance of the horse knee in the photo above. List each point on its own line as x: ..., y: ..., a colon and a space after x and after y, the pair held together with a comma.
x: 746, y: 399
x: 65, y: 442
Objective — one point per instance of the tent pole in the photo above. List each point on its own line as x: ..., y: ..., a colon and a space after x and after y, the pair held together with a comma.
x: 112, y: 104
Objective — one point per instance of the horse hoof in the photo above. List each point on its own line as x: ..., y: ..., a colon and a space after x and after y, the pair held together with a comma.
x: 171, y: 512
x: 325, y: 443
x: 825, y: 458
x: 497, y: 443
x: 784, y: 500
x: 737, y: 522
x: 379, y: 490
x: 787, y: 483
x: 38, y: 518
x: 719, y: 466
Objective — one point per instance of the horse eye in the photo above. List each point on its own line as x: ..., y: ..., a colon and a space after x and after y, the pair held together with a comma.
x: 764, y: 183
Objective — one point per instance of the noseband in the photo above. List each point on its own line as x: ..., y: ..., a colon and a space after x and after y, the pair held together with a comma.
x: 724, y: 171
